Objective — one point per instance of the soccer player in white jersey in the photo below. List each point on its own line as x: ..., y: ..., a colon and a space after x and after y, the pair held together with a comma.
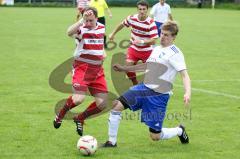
x: 87, y: 73
x: 161, y: 13
x: 143, y: 35
x: 81, y: 5
x: 153, y: 94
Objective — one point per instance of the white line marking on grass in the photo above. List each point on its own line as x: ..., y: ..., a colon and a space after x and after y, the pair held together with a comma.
x: 226, y: 80
x: 212, y: 92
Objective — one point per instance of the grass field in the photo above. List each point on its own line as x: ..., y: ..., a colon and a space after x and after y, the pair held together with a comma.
x: 33, y: 43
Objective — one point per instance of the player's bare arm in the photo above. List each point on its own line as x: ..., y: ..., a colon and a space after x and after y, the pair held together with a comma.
x: 147, y: 41
x: 136, y: 68
x: 187, y: 86
x: 118, y: 28
x: 109, y: 13
x: 74, y: 28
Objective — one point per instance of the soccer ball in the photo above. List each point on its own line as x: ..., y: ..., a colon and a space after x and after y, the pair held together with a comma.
x: 87, y: 145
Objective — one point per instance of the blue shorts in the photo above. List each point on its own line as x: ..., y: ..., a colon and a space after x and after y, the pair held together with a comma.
x: 152, y: 104
x: 158, y: 24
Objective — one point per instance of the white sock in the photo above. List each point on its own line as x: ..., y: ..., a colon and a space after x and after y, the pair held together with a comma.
x: 113, y: 124
x: 168, y: 133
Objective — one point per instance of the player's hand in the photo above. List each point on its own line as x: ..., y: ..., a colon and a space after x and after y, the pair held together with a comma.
x: 186, y: 99
x: 88, y: 13
x: 118, y: 67
x: 110, y: 15
x: 111, y: 37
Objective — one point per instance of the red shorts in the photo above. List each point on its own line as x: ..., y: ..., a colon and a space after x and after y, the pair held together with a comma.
x: 87, y: 76
x: 136, y: 56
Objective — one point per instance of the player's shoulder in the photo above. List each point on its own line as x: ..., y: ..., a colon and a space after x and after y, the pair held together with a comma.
x: 156, y: 5
x: 130, y: 17
x: 100, y: 26
x: 133, y: 17
x: 174, y: 50
x: 150, y: 20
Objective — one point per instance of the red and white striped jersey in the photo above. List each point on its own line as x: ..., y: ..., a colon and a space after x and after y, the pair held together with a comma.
x: 90, y: 45
x: 83, y: 3
x: 141, y: 30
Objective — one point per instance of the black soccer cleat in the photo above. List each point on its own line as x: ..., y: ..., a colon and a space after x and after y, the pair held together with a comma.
x: 184, y: 137
x: 79, y: 128
x: 57, y: 122
x: 108, y: 144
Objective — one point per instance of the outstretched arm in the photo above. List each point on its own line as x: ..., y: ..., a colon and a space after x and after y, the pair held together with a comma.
x: 74, y: 28
x: 187, y: 86
x: 134, y: 68
x: 109, y: 12
x: 117, y: 29
x: 147, y: 41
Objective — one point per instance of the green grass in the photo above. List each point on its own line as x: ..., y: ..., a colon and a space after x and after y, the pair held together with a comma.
x: 33, y: 42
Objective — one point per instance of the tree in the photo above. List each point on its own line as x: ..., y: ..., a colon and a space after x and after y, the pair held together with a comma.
x: 237, y: 1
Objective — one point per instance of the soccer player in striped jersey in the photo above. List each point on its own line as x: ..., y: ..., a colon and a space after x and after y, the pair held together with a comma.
x: 81, y: 5
x: 101, y: 6
x: 87, y: 73
x: 143, y: 35
x: 151, y: 96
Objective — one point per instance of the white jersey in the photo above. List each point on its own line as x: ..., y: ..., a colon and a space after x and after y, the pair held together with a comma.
x: 164, y: 64
x: 160, y: 13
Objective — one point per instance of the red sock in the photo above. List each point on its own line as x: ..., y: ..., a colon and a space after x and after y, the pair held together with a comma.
x: 68, y: 105
x: 91, y: 110
x: 132, y: 77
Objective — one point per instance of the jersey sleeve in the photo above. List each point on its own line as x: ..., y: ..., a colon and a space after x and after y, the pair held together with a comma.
x: 105, y: 5
x: 153, y: 10
x: 153, y: 31
x: 178, y: 62
x: 126, y: 22
x: 169, y: 10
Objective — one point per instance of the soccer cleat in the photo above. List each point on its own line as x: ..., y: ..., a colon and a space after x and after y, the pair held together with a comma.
x: 57, y: 122
x: 79, y: 128
x: 184, y: 137
x: 108, y: 144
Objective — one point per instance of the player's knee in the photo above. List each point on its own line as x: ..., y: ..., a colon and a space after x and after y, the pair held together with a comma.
x: 77, y: 99
x: 155, y: 137
x: 102, y: 105
x: 114, y: 103
x: 117, y: 106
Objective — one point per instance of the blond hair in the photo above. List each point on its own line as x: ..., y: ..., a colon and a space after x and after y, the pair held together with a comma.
x: 171, y: 26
